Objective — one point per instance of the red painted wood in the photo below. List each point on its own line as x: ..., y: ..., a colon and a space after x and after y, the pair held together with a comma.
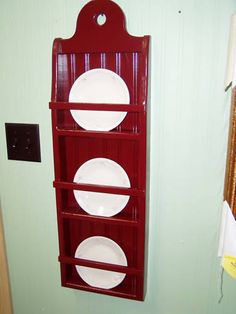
x: 130, y: 214
x: 101, y: 39
x: 109, y: 220
x: 87, y: 106
x: 98, y: 188
x: 108, y: 46
x: 99, y: 134
x: 115, y: 293
x: 99, y: 265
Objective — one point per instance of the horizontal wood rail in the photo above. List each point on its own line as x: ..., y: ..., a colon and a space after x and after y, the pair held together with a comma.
x: 115, y: 293
x: 108, y: 220
x: 99, y: 134
x: 100, y: 265
x: 98, y: 188
x: 96, y: 106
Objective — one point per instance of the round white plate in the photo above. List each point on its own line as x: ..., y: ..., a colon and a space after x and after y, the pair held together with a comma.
x: 101, y: 171
x: 105, y: 250
x: 99, y: 86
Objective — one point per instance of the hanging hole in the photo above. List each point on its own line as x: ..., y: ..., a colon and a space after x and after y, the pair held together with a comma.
x: 101, y: 19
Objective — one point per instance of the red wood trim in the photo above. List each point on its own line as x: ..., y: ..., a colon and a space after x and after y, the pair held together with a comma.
x: 98, y: 188
x: 114, y: 47
x: 108, y: 220
x: 98, y: 134
x: 112, y: 36
x: 100, y: 265
x: 95, y: 106
x: 110, y: 292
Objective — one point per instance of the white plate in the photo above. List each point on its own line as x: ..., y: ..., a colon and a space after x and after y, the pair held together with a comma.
x: 105, y: 250
x: 101, y: 171
x: 99, y: 86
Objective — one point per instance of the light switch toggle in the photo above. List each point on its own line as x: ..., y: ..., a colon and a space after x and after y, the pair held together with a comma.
x: 28, y: 144
x: 14, y: 144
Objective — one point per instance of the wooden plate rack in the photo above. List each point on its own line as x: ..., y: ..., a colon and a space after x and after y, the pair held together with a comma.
x: 101, y: 46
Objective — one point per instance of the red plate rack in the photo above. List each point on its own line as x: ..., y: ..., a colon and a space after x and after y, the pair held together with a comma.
x: 101, y: 46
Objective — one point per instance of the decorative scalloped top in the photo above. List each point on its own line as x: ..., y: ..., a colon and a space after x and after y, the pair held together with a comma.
x: 93, y: 37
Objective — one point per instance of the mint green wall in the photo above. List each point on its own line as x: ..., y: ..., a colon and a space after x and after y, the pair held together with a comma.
x: 188, y: 145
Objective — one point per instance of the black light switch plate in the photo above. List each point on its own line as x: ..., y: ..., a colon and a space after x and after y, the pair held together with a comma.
x: 23, y: 141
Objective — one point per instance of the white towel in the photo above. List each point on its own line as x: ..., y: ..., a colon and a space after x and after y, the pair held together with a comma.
x: 227, y: 242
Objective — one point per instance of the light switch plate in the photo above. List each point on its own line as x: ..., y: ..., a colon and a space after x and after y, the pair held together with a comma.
x: 23, y: 141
